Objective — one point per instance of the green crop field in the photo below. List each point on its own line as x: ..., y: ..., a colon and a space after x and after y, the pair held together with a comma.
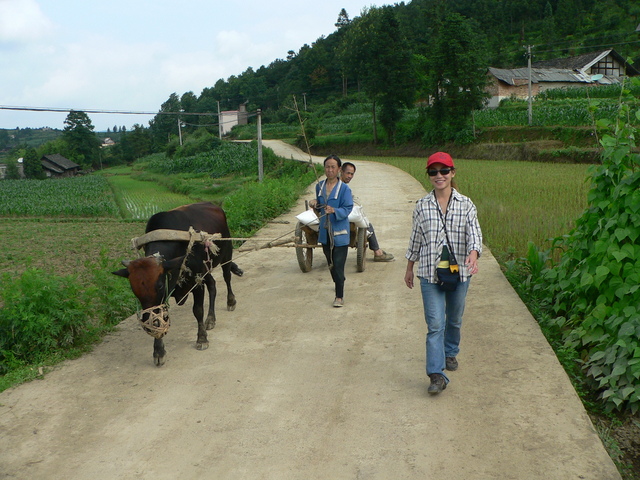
x: 88, y: 196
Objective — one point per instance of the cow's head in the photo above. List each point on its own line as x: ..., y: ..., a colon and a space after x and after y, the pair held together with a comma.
x: 152, y: 278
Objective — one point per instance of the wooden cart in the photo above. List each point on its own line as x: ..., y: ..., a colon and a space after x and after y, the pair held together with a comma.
x: 306, y: 239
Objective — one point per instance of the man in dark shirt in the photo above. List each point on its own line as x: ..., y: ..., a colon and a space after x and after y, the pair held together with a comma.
x: 347, y: 172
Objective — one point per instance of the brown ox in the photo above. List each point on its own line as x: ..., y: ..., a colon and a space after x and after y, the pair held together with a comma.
x: 167, y: 271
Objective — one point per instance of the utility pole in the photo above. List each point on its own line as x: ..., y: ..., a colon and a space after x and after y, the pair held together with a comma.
x: 219, y: 122
x: 530, y: 97
x: 304, y: 97
x: 260, y: 166
x: 179, y: 131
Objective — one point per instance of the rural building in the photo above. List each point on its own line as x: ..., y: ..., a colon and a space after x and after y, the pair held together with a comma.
x: 58, y: 166
x: 230, y: 118
x: 592, y: 69
x: 108, y: 142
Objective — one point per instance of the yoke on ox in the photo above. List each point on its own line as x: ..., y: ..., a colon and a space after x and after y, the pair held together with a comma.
x: 179, y: 259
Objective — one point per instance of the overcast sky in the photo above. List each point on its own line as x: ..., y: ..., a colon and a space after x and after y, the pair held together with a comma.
x: 131, y: 55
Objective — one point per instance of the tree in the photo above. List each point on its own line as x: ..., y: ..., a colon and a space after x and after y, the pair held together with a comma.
x: 379, y: 56
x: 134, y: 145
x: 454, y: 79
x: 568, y: 16
x: 164, y: 124
x: 31, y: 164
x: 12, y: 172
x: 78, y: 134
x: 343, y: 19
x: 4, y: 139
x: 548, y: 25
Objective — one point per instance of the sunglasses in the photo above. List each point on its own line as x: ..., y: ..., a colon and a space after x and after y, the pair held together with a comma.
x: 442, y: 171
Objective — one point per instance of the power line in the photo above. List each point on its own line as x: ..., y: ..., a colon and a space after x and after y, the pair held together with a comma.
x: 120, y: 112
x: 249, y: 115
x: 585, y: 47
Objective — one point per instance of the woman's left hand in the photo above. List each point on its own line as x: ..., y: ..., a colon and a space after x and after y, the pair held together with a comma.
x: 329, y: 209
x: 472, y: 262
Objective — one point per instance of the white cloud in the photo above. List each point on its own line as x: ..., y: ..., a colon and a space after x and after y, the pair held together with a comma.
x: 132, y: 56
x: 22, y: 21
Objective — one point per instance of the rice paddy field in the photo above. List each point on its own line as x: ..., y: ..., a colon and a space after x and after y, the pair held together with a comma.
x: 138, y: 200
x: 517, y: 202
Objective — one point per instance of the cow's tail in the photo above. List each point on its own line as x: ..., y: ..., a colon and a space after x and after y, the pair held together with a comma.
x: 236, y: 270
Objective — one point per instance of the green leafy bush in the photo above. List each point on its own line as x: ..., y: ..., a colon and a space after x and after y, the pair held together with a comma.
x: 45, y: 317
x: 250, y: 207
x: 200, y: 142
x: 595, y: 286
x: 40, y: 314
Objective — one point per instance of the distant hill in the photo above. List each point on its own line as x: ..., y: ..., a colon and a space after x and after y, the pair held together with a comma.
x: 32, y: 137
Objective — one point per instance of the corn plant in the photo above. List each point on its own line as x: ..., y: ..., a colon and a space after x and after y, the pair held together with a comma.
x: 225, y: 159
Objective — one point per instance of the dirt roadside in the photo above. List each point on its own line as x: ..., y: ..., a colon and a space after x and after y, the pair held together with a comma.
x: 292, y: 388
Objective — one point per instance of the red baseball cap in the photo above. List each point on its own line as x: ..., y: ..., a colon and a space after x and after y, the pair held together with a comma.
x: 440, y: 157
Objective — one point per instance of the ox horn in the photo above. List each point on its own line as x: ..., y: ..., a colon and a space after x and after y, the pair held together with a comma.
x: 126, y: 263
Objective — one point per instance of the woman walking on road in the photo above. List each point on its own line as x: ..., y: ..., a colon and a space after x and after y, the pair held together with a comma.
x: 445, y: 227
x: 334, y: 203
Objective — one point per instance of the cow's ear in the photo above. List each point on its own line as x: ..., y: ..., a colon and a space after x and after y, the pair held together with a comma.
x: 173, y: 264
x: 122, y: 273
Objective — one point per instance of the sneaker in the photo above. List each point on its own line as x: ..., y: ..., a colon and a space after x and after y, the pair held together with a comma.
x: 338, y: 302
x: 438, y: 383
x: 385, y: 257
x: 452, y: 363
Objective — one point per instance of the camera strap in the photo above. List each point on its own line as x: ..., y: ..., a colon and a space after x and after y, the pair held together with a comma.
x: 453, y: 264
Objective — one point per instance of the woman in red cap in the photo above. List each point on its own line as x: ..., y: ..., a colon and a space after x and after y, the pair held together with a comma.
x: 445, y: 230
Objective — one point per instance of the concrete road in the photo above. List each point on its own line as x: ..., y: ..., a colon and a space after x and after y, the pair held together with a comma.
x: 292, y: 388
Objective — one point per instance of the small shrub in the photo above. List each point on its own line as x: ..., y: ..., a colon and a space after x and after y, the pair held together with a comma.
x: 250, y: 207
x: 40, y: 315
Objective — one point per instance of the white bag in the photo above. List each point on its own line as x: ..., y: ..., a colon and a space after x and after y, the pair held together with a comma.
x: 308, y: 218
x: 357, y: 217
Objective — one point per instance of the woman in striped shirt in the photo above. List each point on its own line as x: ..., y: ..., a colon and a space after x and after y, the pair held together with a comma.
x: 428, y: 245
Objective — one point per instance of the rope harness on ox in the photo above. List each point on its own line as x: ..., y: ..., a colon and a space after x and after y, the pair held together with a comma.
x: 158, y: 323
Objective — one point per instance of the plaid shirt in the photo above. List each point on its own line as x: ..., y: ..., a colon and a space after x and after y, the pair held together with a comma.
x: 428, y: 237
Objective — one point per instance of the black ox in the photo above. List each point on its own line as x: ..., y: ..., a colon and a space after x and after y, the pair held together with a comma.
x: 164, y: 273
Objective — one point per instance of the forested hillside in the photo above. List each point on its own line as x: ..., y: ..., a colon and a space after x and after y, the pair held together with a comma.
x: 396, y: 55
x: 417, y: 68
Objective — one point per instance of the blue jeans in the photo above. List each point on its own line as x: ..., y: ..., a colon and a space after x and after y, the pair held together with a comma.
x: 443, y: 313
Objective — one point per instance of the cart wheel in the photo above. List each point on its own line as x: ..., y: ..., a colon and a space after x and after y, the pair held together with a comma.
x: 361, y: 246
x: 305, y: 255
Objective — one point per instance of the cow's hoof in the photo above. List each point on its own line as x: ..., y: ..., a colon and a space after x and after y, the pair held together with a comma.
x: 231, y: 308
x: 210, y: 324
x: 202, y: 345
x: 159, y: 361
